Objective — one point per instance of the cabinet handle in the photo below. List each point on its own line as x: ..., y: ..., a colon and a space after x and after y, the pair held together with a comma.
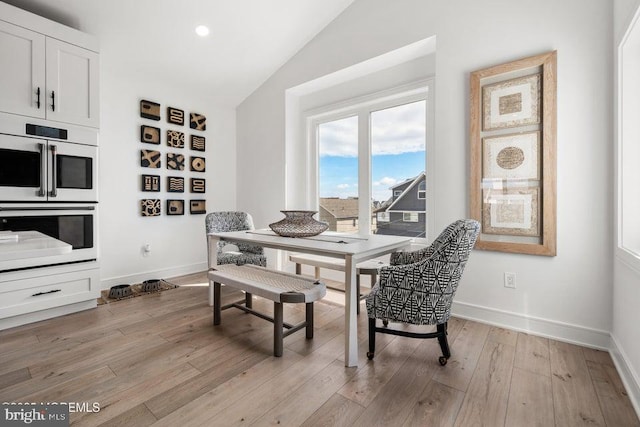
x: 54, y: 170
x: 38, y: 101
x: 45, y: 293
x: 53, y: 100
x: 43, y: 154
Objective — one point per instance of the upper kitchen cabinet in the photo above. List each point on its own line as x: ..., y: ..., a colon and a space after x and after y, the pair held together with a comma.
x: 49, y: 71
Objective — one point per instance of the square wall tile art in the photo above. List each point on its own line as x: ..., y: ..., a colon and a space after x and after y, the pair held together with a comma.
x: 175, y: 139
x: 175, y: 116
x: 150, y: 135
x: 198, y: 121
x: 151, y: 183
x: 175, y: 184
x: 198, y: 164
x: 150, y: 159
x: 149, y: 110
x: 197, y: 143
x: 175, y: 207
x: 175, y: 161
x: 198, y: 207
x: 150, y: 207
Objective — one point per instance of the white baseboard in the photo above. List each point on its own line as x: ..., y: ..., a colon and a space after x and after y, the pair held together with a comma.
x: 157, y: 274
x: 560, y: 331
x: 628, y: 375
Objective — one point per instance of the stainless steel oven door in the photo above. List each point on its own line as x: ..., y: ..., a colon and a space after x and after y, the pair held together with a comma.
x: 23, y: 169
x: 71, y: 223
x: 72, y: 172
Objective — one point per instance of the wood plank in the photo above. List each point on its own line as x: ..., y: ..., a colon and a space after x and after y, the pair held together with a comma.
x: 573, y: 390
x: 532, y: 354
x: 437, y: 405
x: 14, y: 377
x: 138, y: 416
x: 338, y: 411
x: 504, y: 336
x: 465, y: 352
x: 63, y: 391
x: 597, y: 356
x: 485, y: 402
x: 615, y: 403
x: 530, y: 400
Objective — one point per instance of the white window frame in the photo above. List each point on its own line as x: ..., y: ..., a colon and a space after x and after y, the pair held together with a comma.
x: 383, y: 216
x: 362, y: 107
x: 410, y: 216
x: 422, y: 193
x: 397, y: 193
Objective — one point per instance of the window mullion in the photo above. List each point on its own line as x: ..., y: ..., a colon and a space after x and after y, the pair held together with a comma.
x: 364, y: 172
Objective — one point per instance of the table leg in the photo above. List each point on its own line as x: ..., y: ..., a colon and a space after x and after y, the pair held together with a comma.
x: 350, y: 318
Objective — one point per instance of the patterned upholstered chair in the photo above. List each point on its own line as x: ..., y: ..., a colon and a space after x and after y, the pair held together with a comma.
x: 418, y: 287
x: 239, y: 253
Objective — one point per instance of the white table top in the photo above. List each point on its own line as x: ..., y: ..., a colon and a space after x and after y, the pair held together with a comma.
x: 30, y: 244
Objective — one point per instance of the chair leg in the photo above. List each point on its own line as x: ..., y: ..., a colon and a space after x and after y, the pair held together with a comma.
x: 217, y: 311
x: 248, y: 301
x: 309, y: 319
x: 278, y: 331
x: 372, y: 339
x: 444, y: 343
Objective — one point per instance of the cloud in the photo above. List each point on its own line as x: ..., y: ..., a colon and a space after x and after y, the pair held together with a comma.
x: 342, y: 186
x: 386, y: 182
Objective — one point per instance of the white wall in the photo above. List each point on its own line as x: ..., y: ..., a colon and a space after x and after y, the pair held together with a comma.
x: 626, y: 284
x: 567, y: 296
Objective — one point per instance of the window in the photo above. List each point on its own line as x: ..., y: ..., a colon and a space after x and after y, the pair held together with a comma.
x: 362, y: 152
x: 422, y: 190
x: 410, y: 216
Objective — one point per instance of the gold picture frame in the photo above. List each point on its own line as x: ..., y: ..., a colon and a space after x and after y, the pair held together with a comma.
x: 513, y: 155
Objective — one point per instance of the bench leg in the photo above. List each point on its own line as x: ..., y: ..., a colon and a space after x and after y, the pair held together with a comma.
x: 278, y: 331
x: 298, y: 268
x: 317, y: 272
x: 309, y: 319
x: 248, y: 301
x: 217, y: 311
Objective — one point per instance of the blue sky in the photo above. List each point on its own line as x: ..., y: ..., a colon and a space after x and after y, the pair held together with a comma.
x: 398, y: 148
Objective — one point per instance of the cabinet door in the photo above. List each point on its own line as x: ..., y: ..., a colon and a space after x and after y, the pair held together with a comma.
x: 22, y: 71
x: 72, y: 84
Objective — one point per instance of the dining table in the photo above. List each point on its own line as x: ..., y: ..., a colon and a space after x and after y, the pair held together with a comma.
x: 352, y: 248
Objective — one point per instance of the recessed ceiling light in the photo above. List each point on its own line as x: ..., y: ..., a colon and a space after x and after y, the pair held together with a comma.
x: 202, y: 30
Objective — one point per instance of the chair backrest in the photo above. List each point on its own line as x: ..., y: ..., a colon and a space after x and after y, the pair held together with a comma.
x: 228, y: 221
x: 455, y: 242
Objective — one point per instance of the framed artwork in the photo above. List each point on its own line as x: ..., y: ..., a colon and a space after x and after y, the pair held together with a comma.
x: 150, y: 207
x: 149, y: 110
x: 198, y: 185
x: 175, y: 161
x: 175, y: 116
x: 513, y: 155
x: 149, y: 135
x: 511, y: 103
x: 198, y: 164
x: 151, y: 183
x: 175, y: 207
x: 175, y: 139
x: 175, y: 184
x: 198, y: 143
x: 150, y: 159
x: 198, y: 121
x: 197, y: 207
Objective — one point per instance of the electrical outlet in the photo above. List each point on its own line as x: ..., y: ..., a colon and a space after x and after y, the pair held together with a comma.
x: 509, y: 280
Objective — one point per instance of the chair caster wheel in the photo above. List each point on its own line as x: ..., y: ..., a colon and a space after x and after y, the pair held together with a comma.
x: 370, y: 355
x: 442, y: 360
x: 385, y: 323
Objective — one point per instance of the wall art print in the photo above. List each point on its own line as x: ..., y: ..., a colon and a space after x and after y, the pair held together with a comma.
x: 198, y: 164
x: 175, y: 184
x: 198, y: 143
x: 175, y: 161
x: 198, y: 185
x: 149, y: 135
x: 510, y: 103
x: 151, y: 183
x: 175, y: 116
x: 149, y: 110
x: 198, y: 121
x: 150, y: 207
x: 197, y: 207
x: 175, y: 207
x: 511, y: 211
x: 513, y: 156
x: 175, y: 139
x: 150, y: 159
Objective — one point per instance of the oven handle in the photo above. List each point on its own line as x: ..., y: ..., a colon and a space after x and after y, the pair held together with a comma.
x: 41, y: 192
x: 48, y: 208
x: 54, y: 170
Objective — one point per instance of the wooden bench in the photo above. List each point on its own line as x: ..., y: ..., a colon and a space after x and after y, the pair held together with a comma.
x: 276, y: 286
x: 369, y: 268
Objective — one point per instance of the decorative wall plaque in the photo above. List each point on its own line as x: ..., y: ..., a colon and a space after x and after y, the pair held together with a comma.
x: 149, y: 134
x: 198, y: 121
x: 198, y: 143
x: 175, y: 139
x: 151, y: 183
x: 198, y: 207
x: 175, y: 116
x: 175, y: 161
x: 150, y: 159
x: 198, y: 185
x: 198, y: 164
x: 175, y: 184
x: 149, y: 110
x: 510, y: 103
x: 150, y: 207
x: 175, y: 207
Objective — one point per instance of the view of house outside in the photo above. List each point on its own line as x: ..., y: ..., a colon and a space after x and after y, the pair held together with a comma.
x: 398, y: 184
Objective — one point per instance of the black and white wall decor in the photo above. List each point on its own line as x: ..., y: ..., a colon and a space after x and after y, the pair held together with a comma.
x: 175, y: 116
x: 151, y: 183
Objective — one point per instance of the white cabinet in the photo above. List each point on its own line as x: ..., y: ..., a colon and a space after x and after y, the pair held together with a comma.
x: 62, y: 88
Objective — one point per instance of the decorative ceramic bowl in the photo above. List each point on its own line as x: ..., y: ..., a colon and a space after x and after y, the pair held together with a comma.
x: 151, y: 285
x: 298, y: 223
x: 120, y: 291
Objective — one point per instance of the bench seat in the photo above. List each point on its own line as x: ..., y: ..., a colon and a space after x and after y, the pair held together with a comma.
x: 277, y: 286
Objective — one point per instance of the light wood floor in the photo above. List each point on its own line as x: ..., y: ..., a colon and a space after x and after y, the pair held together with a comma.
x: 158, y: 360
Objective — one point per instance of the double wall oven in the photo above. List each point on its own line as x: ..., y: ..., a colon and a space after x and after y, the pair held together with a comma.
x: 48, y: 183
